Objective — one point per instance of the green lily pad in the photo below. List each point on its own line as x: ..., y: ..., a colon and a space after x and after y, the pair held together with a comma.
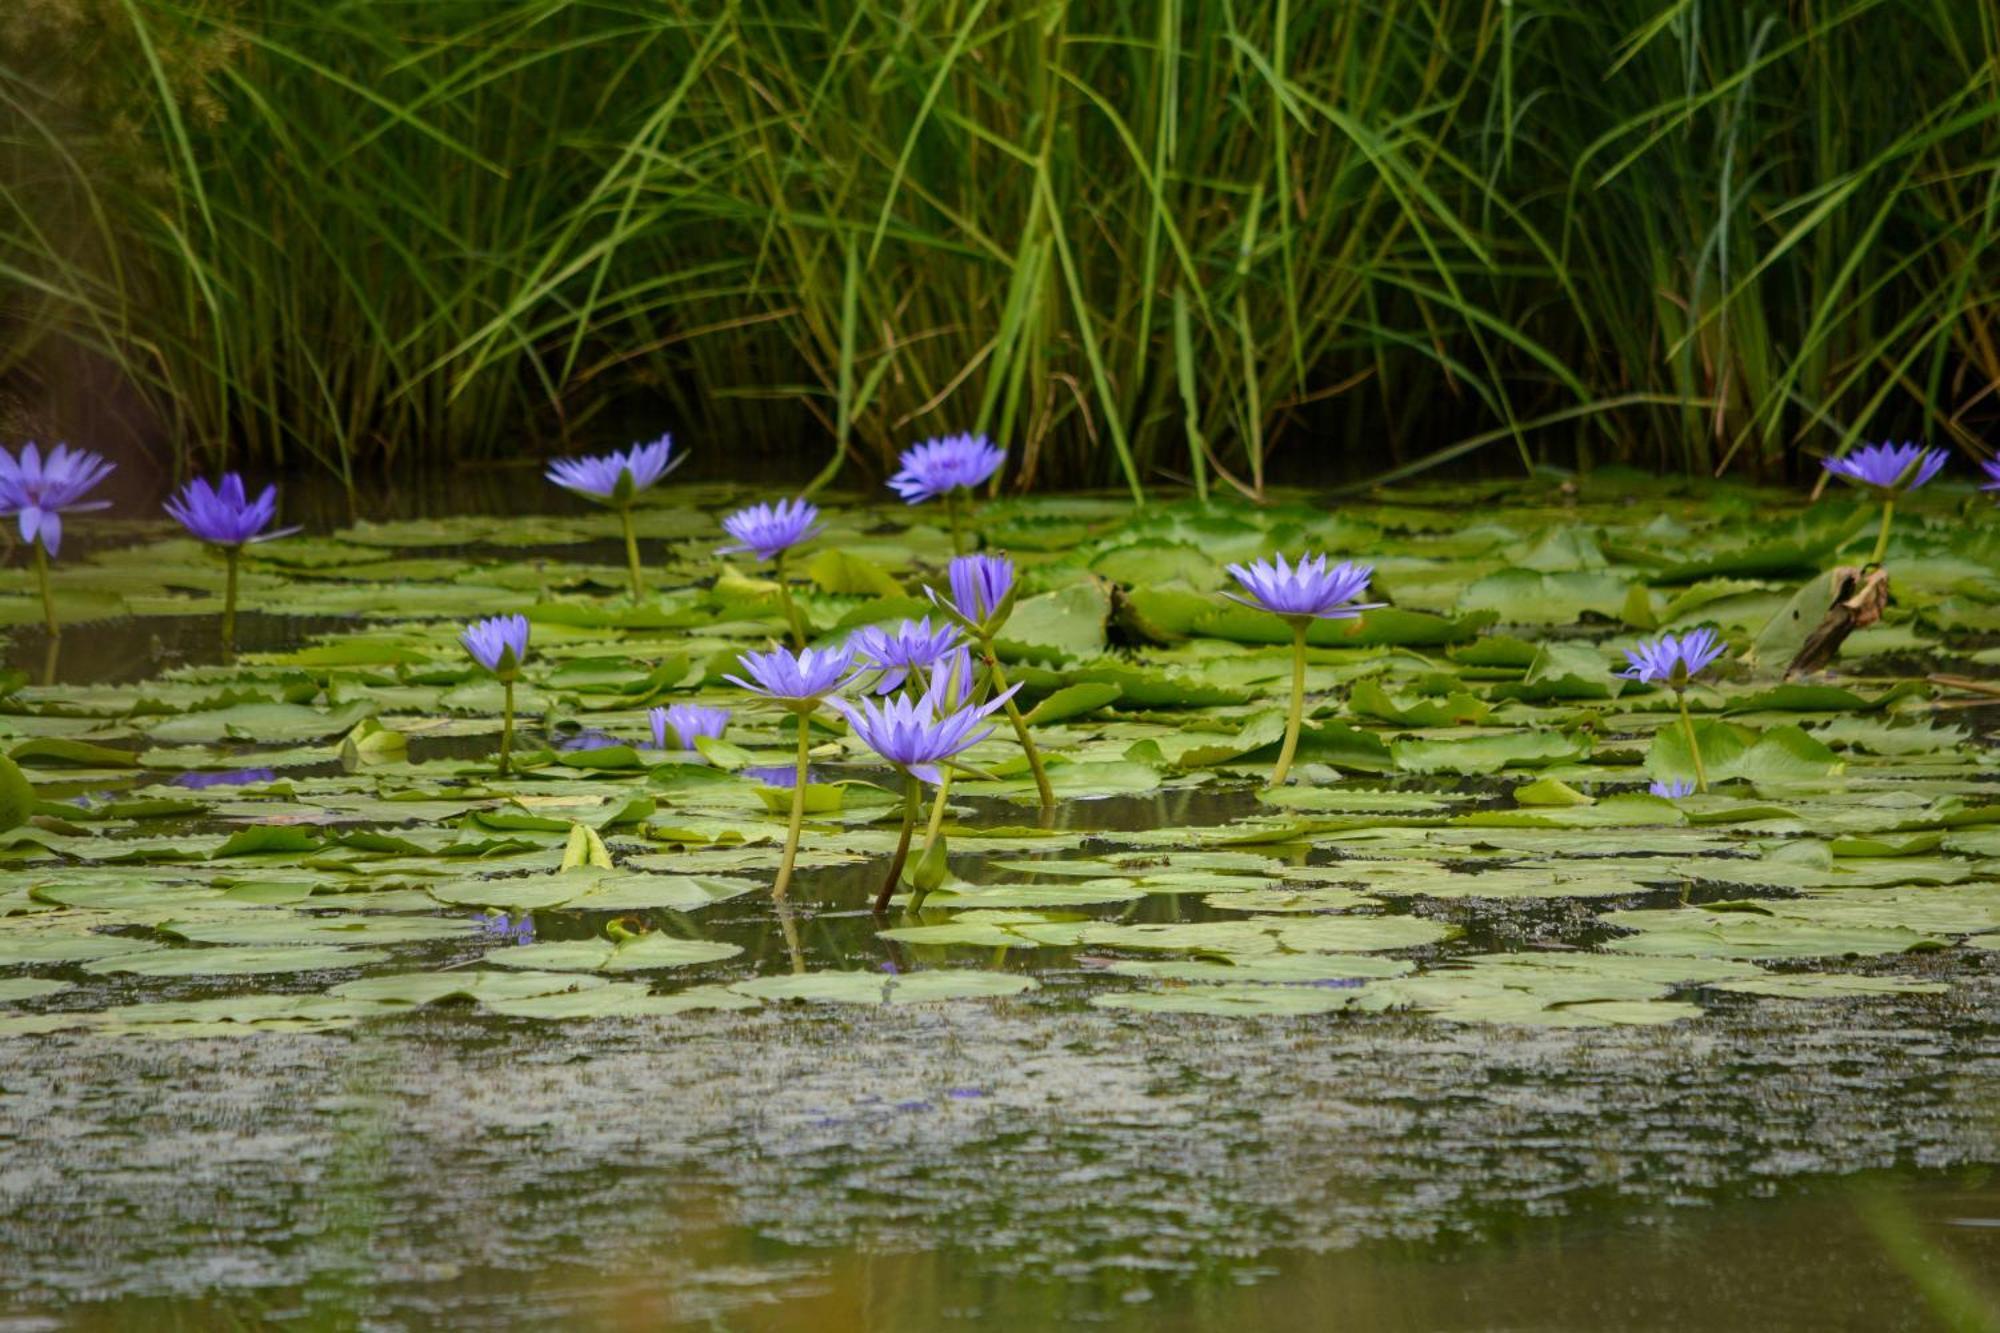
x: 640, y: 954
x: 227, y: 961
x: 592, y: 890
x: 1266, y: 1001
x: 885, y: 988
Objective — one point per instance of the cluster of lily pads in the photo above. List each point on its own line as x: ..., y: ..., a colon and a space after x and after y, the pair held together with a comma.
x: 1125, y: 664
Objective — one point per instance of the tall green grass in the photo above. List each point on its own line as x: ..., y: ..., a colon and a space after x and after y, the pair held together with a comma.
x: 1186, y: 240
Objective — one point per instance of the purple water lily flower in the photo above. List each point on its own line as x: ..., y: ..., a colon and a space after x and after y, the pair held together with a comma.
x: 768, y: 531
x: 615, y: 478
x: 498, y: 643
x: 225, y: 515
x: 1673, y: 789
x: 520, y: 929
x: 1309, y: 588
x: 40, y: 490
x: 980, y: 585
x: 1889, y: 467
x: 798, y: 678
x: 918, y: 733
x: 235, y: 777
x: 683, y: 724
x: 1673, y: 660
x: 911, y: 646
x: 783, y: 776
x: 1991, y: 467
x: 937, y: 467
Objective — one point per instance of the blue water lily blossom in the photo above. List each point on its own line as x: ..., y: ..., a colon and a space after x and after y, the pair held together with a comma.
x: 912, y: 646
x: 767, y: 531
x: 225, y: 515
x: 615, y: 478
x: 38, y: 490
x: 1309, y: 588
x: 235, y: 777
x: 940, y: 466
x: 498, y: 643
x: 799, y: 678
x: 982, y: 597
x: 1673, y: 789
x: 1673, y: 660
x: 1302, y: 593
x: 783, y: 776
x: 949, y: 466
x: 1889, y: 467
x: 916, y: 733
x: 798, y: 681
x: 679, y: 726
x: 520, y: 929
x: 228, y: 519
x: 1889, y: 470
x: 981, y: 590
x: 1991, y: 467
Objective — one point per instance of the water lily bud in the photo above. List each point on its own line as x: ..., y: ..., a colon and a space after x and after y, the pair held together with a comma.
x: 929, y: 871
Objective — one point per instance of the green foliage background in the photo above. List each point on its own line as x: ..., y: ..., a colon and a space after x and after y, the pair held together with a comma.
x: 1173, y: 238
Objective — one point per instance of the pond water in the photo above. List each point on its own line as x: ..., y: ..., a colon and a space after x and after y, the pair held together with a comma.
x: 307, y: 1019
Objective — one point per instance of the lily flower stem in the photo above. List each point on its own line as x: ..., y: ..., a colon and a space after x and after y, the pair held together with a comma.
x: 798, y: 820
x: 912, y: 792
x: 1694, y: 747
x: 48, y: 598
x: 632, y: 554
x: 791, y: 930
x: 506, y: 725
x: 230, y: 557
x: 951, y: 514
x: 785, y: 600
x: 1295, y: 716
x: 999, y: 678
x: 1882, y: 537
x: 936, y: 825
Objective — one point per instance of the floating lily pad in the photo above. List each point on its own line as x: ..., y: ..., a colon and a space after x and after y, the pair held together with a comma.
x: 620, y: 999
x: 30, y: 988
x: 416, y: 988
x: 278, y: 927
x: 228, y: 961
x: 640, y: 954
x: 592, y: 890
x: 1830, y: 986
x: 1265, y: 1001
x: 885, y: 988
